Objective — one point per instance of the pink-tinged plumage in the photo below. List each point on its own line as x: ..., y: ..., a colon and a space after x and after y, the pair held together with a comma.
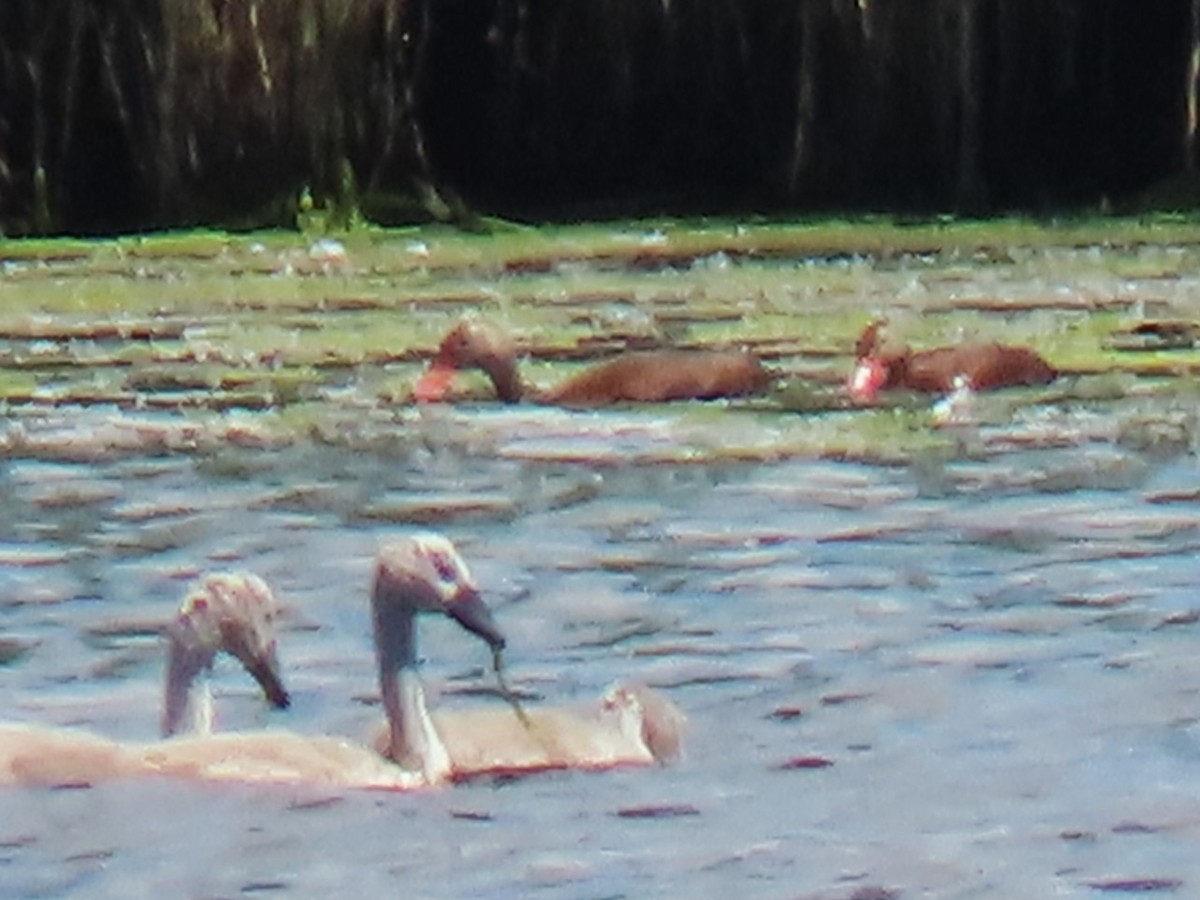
x: 421, y: 573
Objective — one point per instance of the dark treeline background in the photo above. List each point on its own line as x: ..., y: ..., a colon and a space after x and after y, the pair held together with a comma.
x: 129, y: 114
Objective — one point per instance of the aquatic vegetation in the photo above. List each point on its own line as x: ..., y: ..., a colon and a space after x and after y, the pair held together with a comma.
x: 275, y: 324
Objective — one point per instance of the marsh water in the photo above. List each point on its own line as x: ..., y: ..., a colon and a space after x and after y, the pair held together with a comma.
x: 916, y: 661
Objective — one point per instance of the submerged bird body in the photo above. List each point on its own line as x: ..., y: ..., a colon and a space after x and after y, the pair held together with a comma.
x: 37, y: 755
x: 882, y: 365
x: 644, y: 377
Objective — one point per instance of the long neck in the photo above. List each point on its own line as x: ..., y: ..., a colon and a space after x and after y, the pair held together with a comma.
x: 414, y: 742
x: 505, y: 378
x: 183, y: 708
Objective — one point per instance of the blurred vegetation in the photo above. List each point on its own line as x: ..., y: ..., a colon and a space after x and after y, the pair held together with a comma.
x: 156, y: 112
x: 318, y: 114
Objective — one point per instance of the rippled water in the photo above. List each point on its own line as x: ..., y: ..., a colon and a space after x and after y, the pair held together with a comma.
x: 973, y: 676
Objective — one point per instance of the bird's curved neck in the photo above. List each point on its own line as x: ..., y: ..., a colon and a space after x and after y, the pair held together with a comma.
x: 505, y: 378
x: 186, y: 705
x: 413, y: 741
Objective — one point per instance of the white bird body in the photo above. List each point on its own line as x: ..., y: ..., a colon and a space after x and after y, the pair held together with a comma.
x: 224, y: 613
x: 36, y: 755
x: 630, y: 726
x: 276, y: 756
x: 488, y: 741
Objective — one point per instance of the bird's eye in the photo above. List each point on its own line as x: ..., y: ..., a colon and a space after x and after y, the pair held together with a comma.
x: 195, y: 605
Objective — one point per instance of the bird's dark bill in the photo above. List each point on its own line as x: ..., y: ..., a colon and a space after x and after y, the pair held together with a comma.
x: 469, y: 611
x: 266, y: 673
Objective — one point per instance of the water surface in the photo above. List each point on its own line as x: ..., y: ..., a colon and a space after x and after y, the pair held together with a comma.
x: 916, y: 663
x: 973, y: 676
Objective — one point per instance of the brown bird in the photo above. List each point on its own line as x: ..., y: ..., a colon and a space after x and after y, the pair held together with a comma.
x: 882, y: 365
x: 644, y: 377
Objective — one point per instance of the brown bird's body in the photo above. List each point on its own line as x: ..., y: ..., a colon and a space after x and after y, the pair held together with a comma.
x: 645, y: 377
x: 882, y: 365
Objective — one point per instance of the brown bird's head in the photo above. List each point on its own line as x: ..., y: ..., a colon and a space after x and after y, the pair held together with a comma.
x: 471, y: 344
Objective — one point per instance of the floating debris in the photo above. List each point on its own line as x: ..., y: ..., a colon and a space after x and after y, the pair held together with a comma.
x: 658, y: 811
x: 804, y: 762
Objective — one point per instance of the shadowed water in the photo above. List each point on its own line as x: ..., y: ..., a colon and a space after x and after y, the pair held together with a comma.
x: 974, y: 675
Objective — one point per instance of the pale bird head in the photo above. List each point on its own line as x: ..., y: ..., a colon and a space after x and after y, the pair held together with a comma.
x: 233, y: 613
x: 424, y: 573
